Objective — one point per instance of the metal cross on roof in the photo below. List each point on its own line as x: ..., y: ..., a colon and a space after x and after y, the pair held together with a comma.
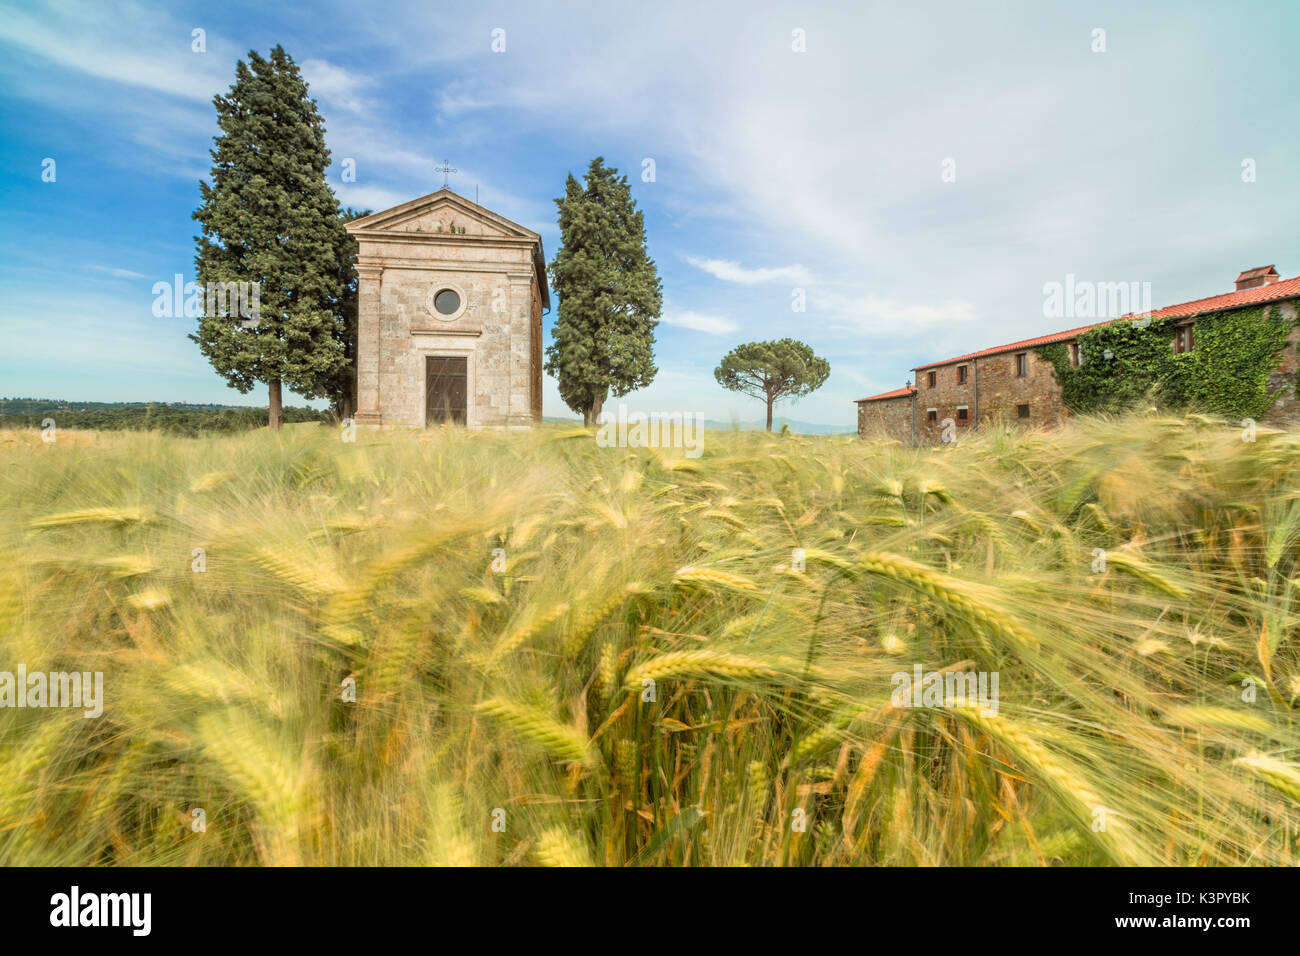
x: 446, y: 169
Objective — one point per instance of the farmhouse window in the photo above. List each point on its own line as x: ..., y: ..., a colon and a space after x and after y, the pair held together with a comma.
x: 1022, y: 411
x: 930, y: 379
x: 962, y: 413
x: 961, y: 374
x: 1184, y: 341
x: 932, y: 414
x: 1022, y: 364
x: 1074, y: 353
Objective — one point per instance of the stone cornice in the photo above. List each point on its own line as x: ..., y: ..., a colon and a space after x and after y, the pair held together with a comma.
x: 380, y: 263
x: 443, y: 238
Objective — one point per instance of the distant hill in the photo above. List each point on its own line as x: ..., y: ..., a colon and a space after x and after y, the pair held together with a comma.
x: 799, y: 428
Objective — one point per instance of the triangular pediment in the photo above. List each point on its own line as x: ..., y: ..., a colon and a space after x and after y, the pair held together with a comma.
x: 441, y: 213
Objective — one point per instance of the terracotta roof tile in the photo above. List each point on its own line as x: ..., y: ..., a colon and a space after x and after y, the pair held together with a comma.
x: 1016, y: 346
x: 1274, y: 291
x: 1285, y: 289
x: 896, y: 393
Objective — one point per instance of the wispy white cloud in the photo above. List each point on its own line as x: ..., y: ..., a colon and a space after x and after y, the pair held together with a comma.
x: 374, y: 198
x: 81, y: 37
x: 730, y: 271
x: 337, y: 86
x: 699, y: 322
x: 118, y: 273
x: 871, y: 313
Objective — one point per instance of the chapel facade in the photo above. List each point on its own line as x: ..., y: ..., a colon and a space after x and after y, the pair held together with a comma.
x: 449, y: 316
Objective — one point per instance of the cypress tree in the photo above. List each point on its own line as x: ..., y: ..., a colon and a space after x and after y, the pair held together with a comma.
x: 609, y: 292
x: 342, y: 386
x: 269, y: 217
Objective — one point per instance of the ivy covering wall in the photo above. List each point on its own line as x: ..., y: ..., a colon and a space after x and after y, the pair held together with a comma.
x: 1226, y: 373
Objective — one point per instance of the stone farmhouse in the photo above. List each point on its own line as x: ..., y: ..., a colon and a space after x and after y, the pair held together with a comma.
x: 1012, y: 383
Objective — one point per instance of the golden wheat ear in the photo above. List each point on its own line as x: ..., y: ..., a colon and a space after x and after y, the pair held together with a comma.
x: 559, y: 847
x: 108, y: 516
x: 559, y: 740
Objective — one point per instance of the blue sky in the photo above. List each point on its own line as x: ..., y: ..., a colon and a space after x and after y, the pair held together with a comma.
x: 820, y: 170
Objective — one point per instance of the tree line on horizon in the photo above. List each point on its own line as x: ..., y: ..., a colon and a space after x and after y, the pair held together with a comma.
x: 269, y: 216
x: 169, y: 418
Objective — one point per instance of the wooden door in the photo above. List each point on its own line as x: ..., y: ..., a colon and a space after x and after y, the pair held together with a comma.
x: 445, y: 390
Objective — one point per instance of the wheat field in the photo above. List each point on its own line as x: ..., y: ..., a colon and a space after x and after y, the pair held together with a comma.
x: 456, y: 648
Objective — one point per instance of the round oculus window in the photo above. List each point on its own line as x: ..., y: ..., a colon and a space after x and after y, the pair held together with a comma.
x: 447, y: 302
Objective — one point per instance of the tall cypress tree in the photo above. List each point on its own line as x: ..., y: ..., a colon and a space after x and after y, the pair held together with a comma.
x: 609, y: 292
x: 269, y: 217
x: 342, y: 386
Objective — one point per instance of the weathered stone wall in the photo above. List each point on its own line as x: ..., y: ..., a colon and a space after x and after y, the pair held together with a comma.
x: 496, y: 342
x: 992, y: 391
x: 536, y: 333
x: 1000, y: 391
x: 886, y: 418
x: 944, y: 398
x: 1285, y: 412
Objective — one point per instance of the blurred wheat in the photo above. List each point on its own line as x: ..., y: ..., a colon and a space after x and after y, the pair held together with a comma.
x: 650, y: 679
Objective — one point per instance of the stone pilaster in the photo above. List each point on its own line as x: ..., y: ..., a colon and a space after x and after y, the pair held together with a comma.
x: 369, y: 282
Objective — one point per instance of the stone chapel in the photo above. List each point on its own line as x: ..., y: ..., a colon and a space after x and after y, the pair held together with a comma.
x: 449, y: 325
